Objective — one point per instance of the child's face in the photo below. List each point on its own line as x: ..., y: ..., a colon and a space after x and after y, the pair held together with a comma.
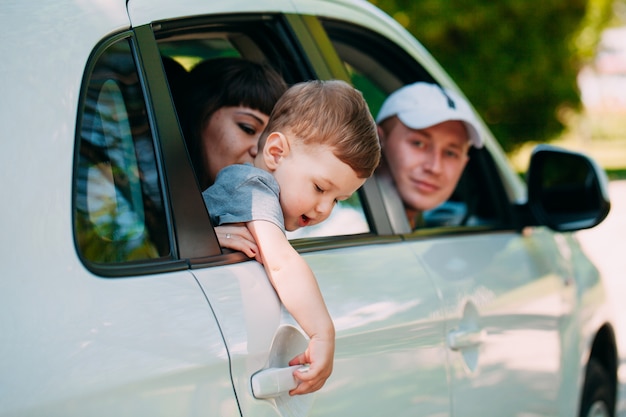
x: 312, y: 179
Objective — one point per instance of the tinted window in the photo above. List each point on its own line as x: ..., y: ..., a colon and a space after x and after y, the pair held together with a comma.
x: 118, y: 202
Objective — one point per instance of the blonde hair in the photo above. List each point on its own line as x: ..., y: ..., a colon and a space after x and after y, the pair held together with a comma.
x: 329, y: 113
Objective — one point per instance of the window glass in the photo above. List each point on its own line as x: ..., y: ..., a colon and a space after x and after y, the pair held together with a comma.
x: 118, y: 204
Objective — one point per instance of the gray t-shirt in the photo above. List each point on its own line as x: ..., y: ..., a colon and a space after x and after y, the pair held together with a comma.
x: 242, y: 193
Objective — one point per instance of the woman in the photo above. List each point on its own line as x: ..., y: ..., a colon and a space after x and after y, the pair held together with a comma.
x: 226, y: 105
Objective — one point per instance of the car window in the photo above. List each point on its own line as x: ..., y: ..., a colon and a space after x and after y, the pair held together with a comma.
x: 377, y: 66
x: 119, y: 213
x: 183, y: 47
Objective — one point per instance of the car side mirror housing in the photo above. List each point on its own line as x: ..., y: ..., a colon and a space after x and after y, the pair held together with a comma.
x: 567, y: 190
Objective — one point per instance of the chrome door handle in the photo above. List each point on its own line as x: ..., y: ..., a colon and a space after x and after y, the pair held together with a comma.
x: 462, y: 339
x: 272, y: 382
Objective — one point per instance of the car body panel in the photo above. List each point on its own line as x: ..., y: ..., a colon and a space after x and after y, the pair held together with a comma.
x: 372, y: 303
x: 379, y: 294
x: 249, y: 313
x: 129, y: 346
x: 50, y: 84
x: 507, y: 287
x: 433, y: 323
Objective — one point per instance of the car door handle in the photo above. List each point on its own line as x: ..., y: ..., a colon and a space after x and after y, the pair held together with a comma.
x: 272, y: 382
x: 465, y: 338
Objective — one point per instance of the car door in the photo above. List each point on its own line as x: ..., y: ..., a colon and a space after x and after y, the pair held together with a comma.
x: 505, y: 291
x: 390, y: 350
x: 504, y: 299
x: 390, y: 355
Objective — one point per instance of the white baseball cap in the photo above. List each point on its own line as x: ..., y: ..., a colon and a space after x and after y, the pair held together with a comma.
x: 421, y: 105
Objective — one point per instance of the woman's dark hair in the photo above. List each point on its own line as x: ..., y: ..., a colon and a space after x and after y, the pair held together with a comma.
x: 224, y: 82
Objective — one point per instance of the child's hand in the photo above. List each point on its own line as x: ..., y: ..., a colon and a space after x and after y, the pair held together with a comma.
x: 319, y: 355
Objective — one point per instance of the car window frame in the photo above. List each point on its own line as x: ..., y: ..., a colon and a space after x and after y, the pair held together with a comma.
x: 195, y: 237
x: 408, y: 69
x: 295, y: 39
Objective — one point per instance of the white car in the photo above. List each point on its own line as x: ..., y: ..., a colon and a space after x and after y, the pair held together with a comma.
x: 118, y: 301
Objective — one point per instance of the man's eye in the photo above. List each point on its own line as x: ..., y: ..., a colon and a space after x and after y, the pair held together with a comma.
x: 453, y: 154
x: 418, y: 143
x: 318, y: 189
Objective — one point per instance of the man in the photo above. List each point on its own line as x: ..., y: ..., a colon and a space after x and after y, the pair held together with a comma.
x: 425, y: 132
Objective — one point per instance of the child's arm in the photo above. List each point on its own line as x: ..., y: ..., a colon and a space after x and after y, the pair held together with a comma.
x: 297, y: 288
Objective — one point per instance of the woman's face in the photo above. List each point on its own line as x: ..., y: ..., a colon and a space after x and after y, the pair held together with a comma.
x: 230, y: 136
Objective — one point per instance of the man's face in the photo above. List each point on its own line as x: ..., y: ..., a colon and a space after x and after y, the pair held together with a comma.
x: 425, y: 164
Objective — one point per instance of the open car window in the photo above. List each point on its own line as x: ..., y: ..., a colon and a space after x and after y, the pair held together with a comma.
x: 378, y: 67
x: 184, y: 45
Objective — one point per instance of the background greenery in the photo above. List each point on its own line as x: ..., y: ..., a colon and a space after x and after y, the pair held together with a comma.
x: 516, y: 60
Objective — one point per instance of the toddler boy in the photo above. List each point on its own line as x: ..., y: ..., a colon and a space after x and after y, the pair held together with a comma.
x: 319, y: 147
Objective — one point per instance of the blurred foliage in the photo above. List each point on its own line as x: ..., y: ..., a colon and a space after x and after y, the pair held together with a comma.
x: 516, y: 60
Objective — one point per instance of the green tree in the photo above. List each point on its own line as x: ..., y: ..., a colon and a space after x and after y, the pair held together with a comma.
x: 516, y: 60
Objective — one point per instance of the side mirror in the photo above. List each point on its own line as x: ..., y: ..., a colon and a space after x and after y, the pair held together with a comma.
x: 567, y: 191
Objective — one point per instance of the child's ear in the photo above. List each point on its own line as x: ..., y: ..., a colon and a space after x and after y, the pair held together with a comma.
x: 275, y: 149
